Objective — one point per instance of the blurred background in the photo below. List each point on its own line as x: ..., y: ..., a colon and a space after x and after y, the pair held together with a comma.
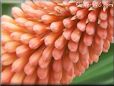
x: 98, y: 73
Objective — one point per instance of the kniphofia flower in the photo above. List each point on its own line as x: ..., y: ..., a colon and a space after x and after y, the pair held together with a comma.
x: 48, y: 42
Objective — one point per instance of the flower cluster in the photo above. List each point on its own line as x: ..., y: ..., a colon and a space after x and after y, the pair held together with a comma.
x: 46, y: 42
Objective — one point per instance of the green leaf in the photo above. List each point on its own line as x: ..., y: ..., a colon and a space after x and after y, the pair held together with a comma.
x: 7, y: 6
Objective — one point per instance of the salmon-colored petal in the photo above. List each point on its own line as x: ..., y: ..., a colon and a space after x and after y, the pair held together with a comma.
x: 5, y: 37
x: 44, y: 81
x: 6, y: 75
x: 18, y: 78
x: 11, y: 27
x: 50, y: 38
x: 85, y: 63
x: 93, y: 56
x: 47, y: 53
x: 110, y: 33
x: 72, y: 46
x: 8, y: 59
x: 49, y: 18
x: 81, y: 25
x: 106, y: 46
x: 99, y: 49
x: 57, y: 66
x: 29, y: 25
x: 88, y: 39
x: 77, y: 72
x: 103, y: 15
x: 74, y: 56
x: 16, y: 35
x: 90, y: 28
x: 57, y: 77
x: 30, y: 79
x: 76, y: 35
x: 46, y: 57
x: 67, y: 33
x: 56, y: 26
x: 3, y: 51
x: 73, y: 9
x: 30, y: 3
x: 98, y: 45
x: 48, y: 5
x: 51, y: 77
x: 103, y: 24
x: 102, y: 33
x: 6, y: 18
x: 22, y: 51
x: 85, y: 56
x: 83, y: 49
x: 111, y: 12
x: 60, y: 42
x: 68, y: 23
x: 25, y: 38
x: 40, y: 28
x: 11, y: 46
x: 19, y: 64
x: 111, y: 21
x: 57, y: 53
x: 34, y: 58
x: 82, y: 13
x: 35, y: 42
x: 92, y: 16
x: 21, y: 21
x: 66, y: 78
x: 31, y: 12
x: 43, y: 63
x: 62, y: 11
x: 68, y: 65
x: 80, y: 67
x: 17, y: 12
x: 42, y: 73
x: 29, y: 67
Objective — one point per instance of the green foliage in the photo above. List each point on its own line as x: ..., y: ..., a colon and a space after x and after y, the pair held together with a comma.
x: 6, y: 8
